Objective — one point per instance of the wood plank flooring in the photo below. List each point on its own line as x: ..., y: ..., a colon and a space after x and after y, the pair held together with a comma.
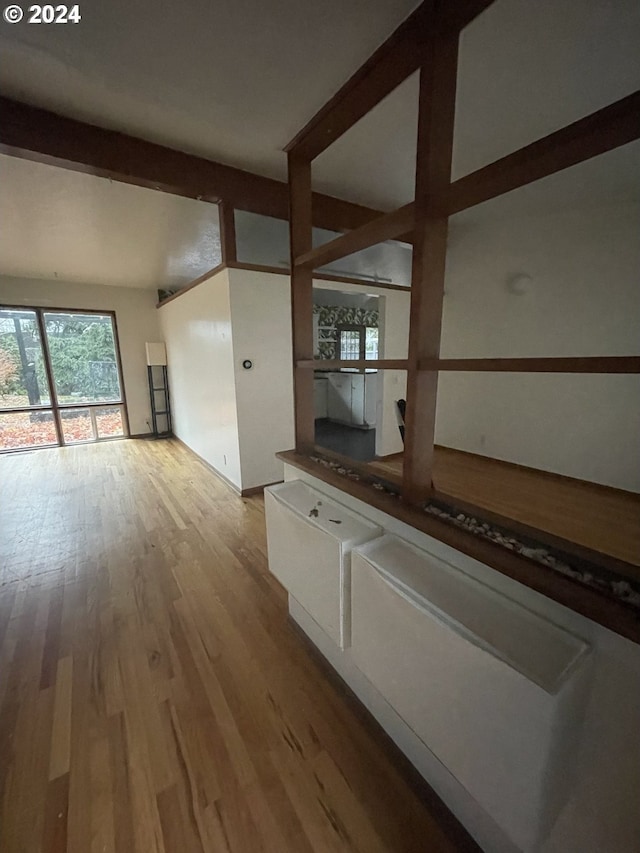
x: 597, y: 517
x: 154, y: 697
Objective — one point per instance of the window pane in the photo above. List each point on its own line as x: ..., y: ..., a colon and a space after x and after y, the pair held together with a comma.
x: 26, y: 429
x: 371, y: 343
x: 109, y: 422
x: 349, y: 344
x: 76, y: 425
x: 83, y: 357
x: 23, y: 379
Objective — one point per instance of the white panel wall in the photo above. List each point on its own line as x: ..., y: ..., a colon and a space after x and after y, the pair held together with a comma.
x: 261, y: 319
x: 197, y: 331
x: 583, y: 299
x: 136, y: 319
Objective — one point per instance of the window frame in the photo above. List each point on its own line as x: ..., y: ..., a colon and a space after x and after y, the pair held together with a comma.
x: 54, y: 405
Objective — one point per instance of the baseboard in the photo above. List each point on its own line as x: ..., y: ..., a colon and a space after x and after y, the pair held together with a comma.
x: 214, y: 470
x: 244, y: 493
x: 257, y: 490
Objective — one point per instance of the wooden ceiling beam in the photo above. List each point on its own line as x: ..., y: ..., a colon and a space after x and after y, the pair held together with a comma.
x: 45, y: 137
x: 389, y: 226
x: 556, y: 364
x: 395, y: 60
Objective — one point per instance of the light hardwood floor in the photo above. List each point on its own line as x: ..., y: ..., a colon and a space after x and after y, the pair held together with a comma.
x: 153, y: 694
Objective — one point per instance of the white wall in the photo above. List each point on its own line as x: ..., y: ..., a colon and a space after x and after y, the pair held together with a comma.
x: 197, y: 331
x: 261, y: 320
x: 237, y: 419
x: 583, y: 299
x: 136, y: 319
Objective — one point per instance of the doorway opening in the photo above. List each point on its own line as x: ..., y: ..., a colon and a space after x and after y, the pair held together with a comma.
x: 346, y: 327
x: 60, y: 378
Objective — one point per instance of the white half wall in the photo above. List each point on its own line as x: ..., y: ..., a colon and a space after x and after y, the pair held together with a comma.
x: 601, y: 813
x: 197, y: 331
x: 583, y: 299
x: 261, y: 321
x: 136, y: 319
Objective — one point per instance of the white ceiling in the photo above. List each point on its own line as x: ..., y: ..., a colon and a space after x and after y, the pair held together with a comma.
x: 57, y: 224
x: 234, y: 80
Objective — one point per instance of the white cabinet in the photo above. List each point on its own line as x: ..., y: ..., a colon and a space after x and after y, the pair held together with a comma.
x: 492, y: 689
x: 339, y: 397
x: 357, y: 399
x: 351, y: 398
x: 309, y: 540
x: 320, y: 389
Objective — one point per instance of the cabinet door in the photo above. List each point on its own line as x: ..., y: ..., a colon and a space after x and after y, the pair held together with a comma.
x: 339, y: 398
x: 370, y: 398
x: 320, y: 398
x: 357, y: 400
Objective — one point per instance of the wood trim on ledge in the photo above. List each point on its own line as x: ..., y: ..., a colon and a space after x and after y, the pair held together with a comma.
x: 579, y: 364
x: 192, y: 284
x: 588, y: 602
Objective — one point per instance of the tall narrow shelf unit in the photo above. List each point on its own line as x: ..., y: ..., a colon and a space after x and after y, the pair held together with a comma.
x: 159, y: 389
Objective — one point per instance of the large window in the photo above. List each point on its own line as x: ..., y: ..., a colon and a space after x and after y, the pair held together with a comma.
x: 60, y: 378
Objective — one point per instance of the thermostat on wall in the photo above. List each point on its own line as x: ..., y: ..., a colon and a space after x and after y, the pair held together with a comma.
x: 247, y: 364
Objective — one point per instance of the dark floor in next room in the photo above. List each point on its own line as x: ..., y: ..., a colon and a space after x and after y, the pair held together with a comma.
x: 359, y: 444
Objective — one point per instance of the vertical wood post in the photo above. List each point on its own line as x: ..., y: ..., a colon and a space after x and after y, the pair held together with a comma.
x: 301, y: 299
x: 227, y: 233
x: 433, y: 175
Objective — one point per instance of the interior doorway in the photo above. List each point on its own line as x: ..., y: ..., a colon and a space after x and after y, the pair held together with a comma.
x: 346, y: 328
x: 60, y: 378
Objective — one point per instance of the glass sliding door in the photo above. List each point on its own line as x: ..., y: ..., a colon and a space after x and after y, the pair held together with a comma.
x: 60, y: 378
x: 26, y: 418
